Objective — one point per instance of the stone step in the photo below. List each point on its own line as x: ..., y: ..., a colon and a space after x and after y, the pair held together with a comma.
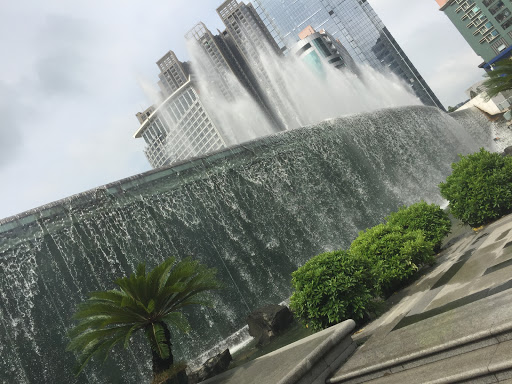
x: 413, y: 363
x: 455, y: 325
x: 491, y: 364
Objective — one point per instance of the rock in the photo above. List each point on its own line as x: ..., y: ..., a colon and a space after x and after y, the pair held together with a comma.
x: 267, y: 322
x: 507, y: 151
x: 212, y: 367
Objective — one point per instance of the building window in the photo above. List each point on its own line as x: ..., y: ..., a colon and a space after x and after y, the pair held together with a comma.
x: 507, y: 24
x: 471, y: 13
x: 501, y: 17
x: 321, y: 47
x: 496, y: 7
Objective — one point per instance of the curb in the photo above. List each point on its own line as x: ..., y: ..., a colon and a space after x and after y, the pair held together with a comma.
x: 303, y: 367
x: 473, y: 374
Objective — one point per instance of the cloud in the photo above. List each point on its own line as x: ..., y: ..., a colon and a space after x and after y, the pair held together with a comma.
x: 434, y: 45
x: 13, y: 112
x: 454, y: 75
x: 69, y: 83
x: 57, y: 74
x: 64, y: 47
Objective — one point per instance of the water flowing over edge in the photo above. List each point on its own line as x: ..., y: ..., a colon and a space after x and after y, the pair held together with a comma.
x: 255, y: 211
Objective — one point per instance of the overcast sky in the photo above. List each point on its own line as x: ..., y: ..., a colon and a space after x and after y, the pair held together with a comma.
x: 72, y: 75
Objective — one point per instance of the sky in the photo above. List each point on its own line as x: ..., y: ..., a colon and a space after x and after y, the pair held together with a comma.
x: 74, y: 73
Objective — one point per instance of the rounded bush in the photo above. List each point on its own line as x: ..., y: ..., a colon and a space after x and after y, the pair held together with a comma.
x: 330, y: 288
x: 480, y: 188
x: 430, y: 219
x: 394, y: 255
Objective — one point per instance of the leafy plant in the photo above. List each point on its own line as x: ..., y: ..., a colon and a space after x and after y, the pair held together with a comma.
x: 480, y: 187
x: 394, y: 255
x: 148, y: 302
x: 331, y: 287
x: 499, y: 79
x: 430, y: 219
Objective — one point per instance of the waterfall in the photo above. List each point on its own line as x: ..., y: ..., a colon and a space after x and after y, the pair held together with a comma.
x: 255, y: 211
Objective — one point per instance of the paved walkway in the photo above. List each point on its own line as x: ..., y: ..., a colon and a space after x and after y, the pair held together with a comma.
x: 464, y: 305
x: 452, y: 325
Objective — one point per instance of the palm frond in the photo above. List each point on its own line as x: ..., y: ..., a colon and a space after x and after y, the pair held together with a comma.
x: 92, y: 308
x: 203, y: 280
x: 186, y: 280
x: 499, y: 79
x: 133, y: 286
x: 193, y: 301
x: 164, y: 276
x: 144, y: 300
x: 182, y: 271
x: 90, y: 338
x: 128, y: 336
x: 95, y: 346
x: 92, y: 322
x: 141, y: 270
x: 113, y: 295
x: 156, y: 335
x: 178, y: 320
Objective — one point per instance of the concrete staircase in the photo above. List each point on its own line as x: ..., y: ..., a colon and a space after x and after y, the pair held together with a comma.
x: 453, y: 326
x: 480, y: 358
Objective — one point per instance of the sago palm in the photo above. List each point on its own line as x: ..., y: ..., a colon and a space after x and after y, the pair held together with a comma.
x: 499, y: 79
x: 146, y: 302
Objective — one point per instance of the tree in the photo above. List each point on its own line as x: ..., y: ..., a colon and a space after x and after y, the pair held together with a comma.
x: 480, y: 188
x: 430, y: 219
x: 330, y: 288
x: 144, y: 301
x: 499, y: 79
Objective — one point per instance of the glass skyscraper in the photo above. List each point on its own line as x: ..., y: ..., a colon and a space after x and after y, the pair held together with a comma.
x: 355, y: 24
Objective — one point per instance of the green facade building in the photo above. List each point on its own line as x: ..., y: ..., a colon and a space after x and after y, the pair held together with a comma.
x: 485, y: 24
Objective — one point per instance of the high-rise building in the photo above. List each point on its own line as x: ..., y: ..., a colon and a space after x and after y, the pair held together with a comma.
x: 180, y: 127
x: 247, y: 29
x: 221, y: 62
x: 485, y: 24
x: 173, y: 73
x: 245, y: 61
x: 315, y: 47
x: 248, y: 35
x: 355, y: 24
x: 215, y: 61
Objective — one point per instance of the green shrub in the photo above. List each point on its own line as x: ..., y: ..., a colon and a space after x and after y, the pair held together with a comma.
x: 480, y: 188
x: 431, y: 219
x: 394, y: 255
x: 331, y: 287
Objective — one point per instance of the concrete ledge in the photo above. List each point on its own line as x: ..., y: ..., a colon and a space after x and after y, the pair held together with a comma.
x: 307, y: 361
x: 321, y: 352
